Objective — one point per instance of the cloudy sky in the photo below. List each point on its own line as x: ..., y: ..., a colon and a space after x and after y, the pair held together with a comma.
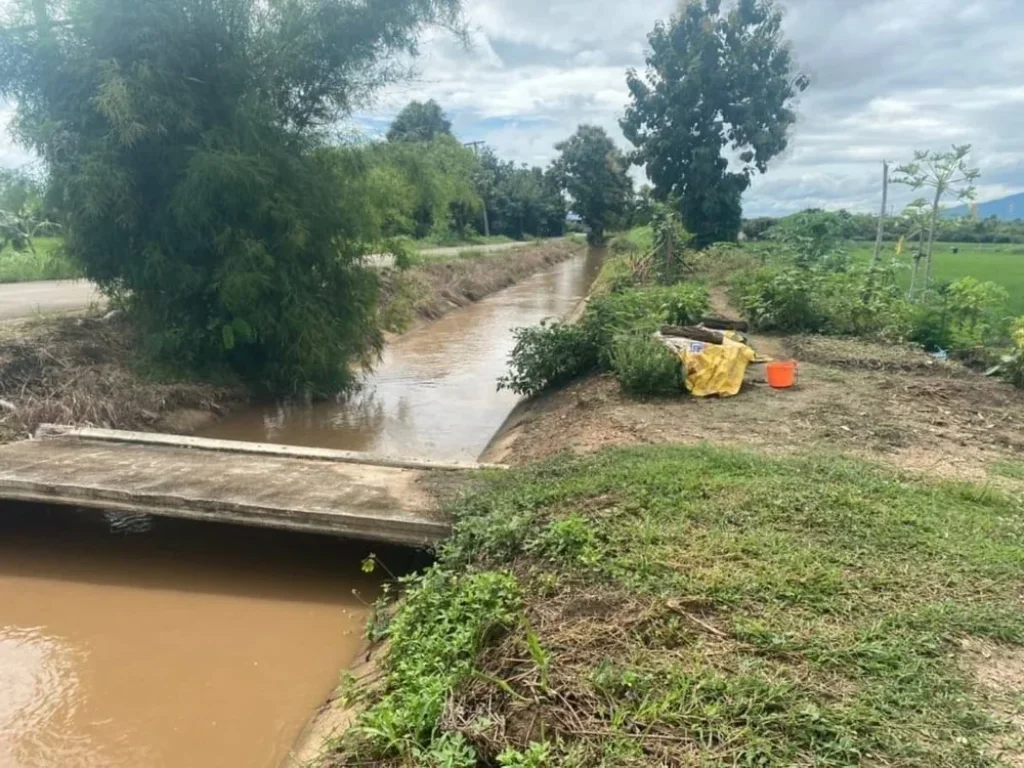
x: 887, y: 76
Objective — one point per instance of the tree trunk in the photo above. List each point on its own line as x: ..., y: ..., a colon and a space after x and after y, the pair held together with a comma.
x: 881, y: 217
x: 669, y: 247
x: 917, y: 263
x: 931, y: 238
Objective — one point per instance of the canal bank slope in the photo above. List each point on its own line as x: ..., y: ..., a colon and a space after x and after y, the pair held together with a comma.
x: 771, y: 598
x: 84, y: 370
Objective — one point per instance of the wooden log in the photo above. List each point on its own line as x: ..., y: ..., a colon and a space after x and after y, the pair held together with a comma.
x: 693, y: 332
x: 723, y: 324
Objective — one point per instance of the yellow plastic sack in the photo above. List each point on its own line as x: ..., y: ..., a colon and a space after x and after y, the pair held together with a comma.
x: 715, y: 369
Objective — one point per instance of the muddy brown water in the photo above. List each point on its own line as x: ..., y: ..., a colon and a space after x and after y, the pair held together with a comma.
x: 159, y: 642
x: 434, y: 394
x: 146, y: 642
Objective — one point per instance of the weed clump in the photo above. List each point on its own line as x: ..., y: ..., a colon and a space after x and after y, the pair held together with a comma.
x: 555, y: 353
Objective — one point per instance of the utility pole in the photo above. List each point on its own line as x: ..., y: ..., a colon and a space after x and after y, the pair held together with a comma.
x: 476, y: 151
x: 881, y: 217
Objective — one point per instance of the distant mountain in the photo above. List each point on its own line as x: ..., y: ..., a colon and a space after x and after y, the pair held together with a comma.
x: 1011, y: 207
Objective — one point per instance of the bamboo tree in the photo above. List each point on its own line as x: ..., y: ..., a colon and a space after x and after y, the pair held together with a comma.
x: 185, y: 143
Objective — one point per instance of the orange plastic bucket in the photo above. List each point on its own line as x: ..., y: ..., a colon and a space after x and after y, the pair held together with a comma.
x: 781, y: 375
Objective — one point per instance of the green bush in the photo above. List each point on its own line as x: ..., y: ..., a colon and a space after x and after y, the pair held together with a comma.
x: 685, y: 304
x: 646, y: 367
x: 641, y: 312
x: 547, y: 355
x: 552, y: 354
x: 962, y: 315
x: 861, y: 302
x: 1013, y: 363
x: 778, y: 299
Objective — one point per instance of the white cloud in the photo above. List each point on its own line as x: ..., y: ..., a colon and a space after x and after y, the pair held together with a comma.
x: 888, y: 76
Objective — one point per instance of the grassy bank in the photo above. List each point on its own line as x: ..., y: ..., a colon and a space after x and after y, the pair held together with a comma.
x: 434, y: 286
x: 47, y: 262
x: 687, y: 604
x: 694, y: 606
x: 450, y: 240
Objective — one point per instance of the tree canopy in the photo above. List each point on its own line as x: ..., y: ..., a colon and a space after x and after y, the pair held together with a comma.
x: 714, y: 80
x: 184, y: 141
x: 420, y: 121
x: 594, y: 173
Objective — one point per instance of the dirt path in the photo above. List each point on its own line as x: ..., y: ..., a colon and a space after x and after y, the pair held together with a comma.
x: 893, y: 404
x: 18, y: 300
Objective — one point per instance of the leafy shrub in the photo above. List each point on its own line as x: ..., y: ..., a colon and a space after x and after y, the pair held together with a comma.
x: 814, y: 239
x: 975, y: 311
x: 446, y: 619
x: 554, y: 353
x: 1013, y: 363
x: 778, y: 299
x: 641, y: 312
x: 547, y: 355
x: 861, y: 302
x: 685, y: 304
x: 961, y: 315
x: 645, y: 367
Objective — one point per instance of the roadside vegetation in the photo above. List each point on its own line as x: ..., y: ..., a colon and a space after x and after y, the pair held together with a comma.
x: 46, y: 259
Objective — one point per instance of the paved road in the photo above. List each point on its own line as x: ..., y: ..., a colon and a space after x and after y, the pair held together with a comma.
x: 18, y: 300
x: 26, y: 299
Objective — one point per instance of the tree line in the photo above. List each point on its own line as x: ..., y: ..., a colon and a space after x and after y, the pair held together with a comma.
x: 863, y: 226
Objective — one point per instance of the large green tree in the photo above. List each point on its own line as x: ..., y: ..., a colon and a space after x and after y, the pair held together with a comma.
x: 420, y: 121
x: 594, y: 173
x: 717, y: 83
x: 185, y: 144
x: 521, y: 200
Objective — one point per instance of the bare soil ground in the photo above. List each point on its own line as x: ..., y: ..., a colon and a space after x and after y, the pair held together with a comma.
x: 999, y: 672
x: 894, y: 404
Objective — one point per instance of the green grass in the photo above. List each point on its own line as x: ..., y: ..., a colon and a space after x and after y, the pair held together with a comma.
x: 47, y: 263
x: 1003, y: 264
x: 1011, y: 469
x: 637, y: 239
x: 453, y: 241
x: 707, y: 607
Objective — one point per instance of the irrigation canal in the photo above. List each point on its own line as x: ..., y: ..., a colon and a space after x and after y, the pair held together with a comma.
x: 130, y: 641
